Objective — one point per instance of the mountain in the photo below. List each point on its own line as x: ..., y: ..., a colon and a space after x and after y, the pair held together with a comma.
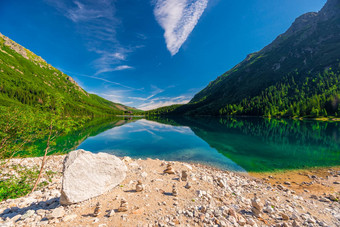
x: 296, y: 75
x: 26, y: 79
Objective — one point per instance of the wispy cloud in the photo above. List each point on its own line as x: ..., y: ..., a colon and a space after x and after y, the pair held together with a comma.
x: 155, y: 91
x: 178, y: 18
x: 117, y: 68
x: 163, y: 101
x: 96, y: 20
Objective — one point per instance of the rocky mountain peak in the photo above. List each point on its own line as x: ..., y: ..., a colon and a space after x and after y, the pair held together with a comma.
x: 22, y: 50
x: 330, y: 10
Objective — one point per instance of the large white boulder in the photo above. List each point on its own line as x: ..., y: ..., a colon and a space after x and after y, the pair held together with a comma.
x: 87, y: 175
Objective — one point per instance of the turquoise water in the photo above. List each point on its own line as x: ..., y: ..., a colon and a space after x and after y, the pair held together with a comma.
x: 239, y: 144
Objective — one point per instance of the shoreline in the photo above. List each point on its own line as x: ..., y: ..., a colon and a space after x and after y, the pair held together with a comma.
x: 216, y: 197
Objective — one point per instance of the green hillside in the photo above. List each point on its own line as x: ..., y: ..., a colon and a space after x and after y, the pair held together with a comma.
x: 26, y: 79
x: 298, y: 74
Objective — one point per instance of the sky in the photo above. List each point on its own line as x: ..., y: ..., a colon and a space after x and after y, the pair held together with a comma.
x: 147, y: 53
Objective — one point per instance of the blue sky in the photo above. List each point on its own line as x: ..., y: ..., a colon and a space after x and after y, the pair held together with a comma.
x: 147, y: 53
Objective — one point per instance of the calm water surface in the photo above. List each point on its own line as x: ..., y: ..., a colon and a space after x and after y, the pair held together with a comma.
x: 240, y: 144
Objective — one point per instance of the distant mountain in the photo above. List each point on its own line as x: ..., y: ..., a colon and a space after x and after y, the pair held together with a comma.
x: 26, y: 79
x: 296, y: 75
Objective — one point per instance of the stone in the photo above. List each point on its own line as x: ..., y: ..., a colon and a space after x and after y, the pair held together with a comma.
x: 188, y: 166
x: 332, y: 197
x: 325, y: 200
x: 123, y: 206
x: 256, y: 212
x: 87, y: 175
x: 284, y: 217
x: 97, y: 210
x: 169, y: 169
x: 28, y: 214
x: 221, y: 182
x: 269, y: 210
x: 295, y: 224
x: 188, y: 186
x: 256, y: 203
x: 314, y: 197
x: 139, y: 186
x: 174, y: 190
x: 241, y: 221
x: 111, y: 213
x: 70, y: 217
x: 56, y: 213
x: 184, y: 176
x: 16, y: 218
x: 95, y: 220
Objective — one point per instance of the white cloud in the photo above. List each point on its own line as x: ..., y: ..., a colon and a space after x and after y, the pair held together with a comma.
x: 96, y: 20
x: 83, y: 13
x: 155, y: 91
x: 122, y: 67
x: 178, y: 18
x: 163, y: 101
x: 117, y: 68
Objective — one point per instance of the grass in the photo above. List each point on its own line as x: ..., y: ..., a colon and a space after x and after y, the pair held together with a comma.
x: 20, y: 184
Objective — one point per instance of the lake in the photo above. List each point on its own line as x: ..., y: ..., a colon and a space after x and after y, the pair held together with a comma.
x: 238, y: 144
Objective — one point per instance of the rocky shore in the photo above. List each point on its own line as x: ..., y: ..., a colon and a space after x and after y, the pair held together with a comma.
x: 185, y: 195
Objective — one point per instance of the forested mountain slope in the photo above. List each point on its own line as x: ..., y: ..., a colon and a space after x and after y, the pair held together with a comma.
x: 296, y: 75
x: 26, y: 79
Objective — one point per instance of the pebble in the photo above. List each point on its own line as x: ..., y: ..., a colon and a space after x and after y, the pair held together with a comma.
x: 70, y: 217
x: 56, y: 213
x: 28, y: 214
x: 111, y: 213
x: 226, y: 203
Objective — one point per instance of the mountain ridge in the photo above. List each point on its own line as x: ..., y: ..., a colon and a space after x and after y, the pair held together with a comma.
x: 29, y: 80
x: 309, y: 47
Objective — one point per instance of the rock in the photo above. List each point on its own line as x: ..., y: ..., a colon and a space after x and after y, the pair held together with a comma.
x: 56, y: 213
x: 95, y: 220
x: 269, y: 210
x: 97, y: 210
x: 251, y: 221
x: 256, y: 203
x: 70, y: 217
x: 127, y: 159
x: 221, y: 182
x: 16, y: 218
x: 28, y: 214
x: 169, y: 169
x: 284, y: 217
x: 256, y: 212
x: 188, y: 186
x: 87, y: 175
x: 188, y: 166
x: 184, y: 176
x: 325, y: 200
x: 241, y: 221
x: 295, y: 217
x: 295, y: 224
x: 174, y: 190
x: 123, y: 206
x: 332, y: 197
x: 314, y: 197
x: 139, y: 186
x: 144, y: 174
x: 111, y: 213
